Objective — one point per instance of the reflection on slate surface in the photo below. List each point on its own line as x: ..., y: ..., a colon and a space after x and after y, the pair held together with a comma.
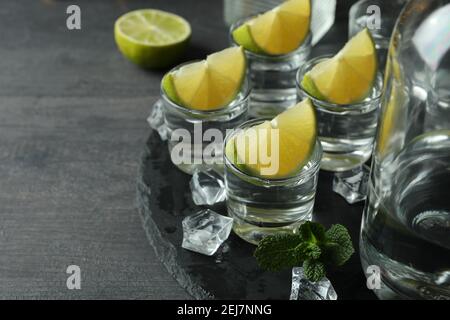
x: 164, y: 200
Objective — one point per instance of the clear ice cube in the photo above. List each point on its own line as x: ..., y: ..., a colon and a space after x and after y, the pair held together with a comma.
x: 352, y: 184
x: 156, y: 120
x: 207, y: 187
x: 303, y: 289
x: 205, y: 231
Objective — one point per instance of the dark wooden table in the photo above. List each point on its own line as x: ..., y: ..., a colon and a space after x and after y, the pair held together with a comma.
x: 72, y: 128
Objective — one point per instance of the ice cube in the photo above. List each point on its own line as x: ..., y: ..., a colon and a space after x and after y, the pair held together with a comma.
x: 207, y: 187
x: 156, y: 120
x: 303, y: 289
x: 352, y: 184
x: 205, y: 231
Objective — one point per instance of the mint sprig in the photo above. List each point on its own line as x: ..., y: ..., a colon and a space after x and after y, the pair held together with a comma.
x: 311, y: 246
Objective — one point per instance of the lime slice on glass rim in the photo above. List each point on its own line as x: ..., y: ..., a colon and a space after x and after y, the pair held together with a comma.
x: 348, y: 77
x: 209, y: 84
x: 278, y: 31
x: 152, y: 38
x: 295, y: 142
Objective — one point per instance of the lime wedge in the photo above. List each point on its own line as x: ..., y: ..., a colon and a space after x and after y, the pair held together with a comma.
x: 152, y: 38
x: 348, y: 77
x: 251, y: 145
x: 230, y: 150
x: 311, y: 88
x: 278, y: 31
x: 209, y: 84
x: 288, y: 140
x: 392, y: 110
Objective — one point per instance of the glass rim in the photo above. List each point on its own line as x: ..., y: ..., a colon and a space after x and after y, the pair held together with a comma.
x: 239, y: 22
x: 242, y: 96
x: 264, y: 181
x: 335, y: 106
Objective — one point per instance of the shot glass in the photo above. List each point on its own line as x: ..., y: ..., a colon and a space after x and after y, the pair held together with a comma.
x: 346, y: 132
x: 262, y: 207
x: 195, y: 137
x: 272, y: 77
x: 234, y: 10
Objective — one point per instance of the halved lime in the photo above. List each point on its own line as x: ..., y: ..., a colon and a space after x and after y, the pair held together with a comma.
x: 152, y: 38
x: 349, y: 76
x: 278, y: 31
x: 288, y: 140
x: 208, y: 84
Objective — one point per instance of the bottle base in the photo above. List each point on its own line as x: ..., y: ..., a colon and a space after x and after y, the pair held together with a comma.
x: 399, y: 281
x: 338, y: 157
x: 254, y: 232
x: 271, y: 102
x: 342, y: 162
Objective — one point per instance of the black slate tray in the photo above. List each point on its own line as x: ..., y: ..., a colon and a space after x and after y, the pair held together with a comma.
x: 164, y: 199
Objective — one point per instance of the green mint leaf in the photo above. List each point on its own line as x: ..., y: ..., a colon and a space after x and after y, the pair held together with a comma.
x: 338, y: 247
x: 312, y: 232
x: 314, y: 270
x: 318, y: 230
x: 307, y: 250
x: 312, y: 251
x: 305, y: 232
x: 280, y: 251
x: 312, y: 246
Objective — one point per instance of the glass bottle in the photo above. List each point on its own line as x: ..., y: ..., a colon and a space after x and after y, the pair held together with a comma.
x: 405, y: 230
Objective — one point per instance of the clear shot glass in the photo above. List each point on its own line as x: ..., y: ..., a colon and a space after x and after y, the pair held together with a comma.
x: 272, y: 77
x: 262, y: 207
x: 346, y: 132
x: 195, y: 137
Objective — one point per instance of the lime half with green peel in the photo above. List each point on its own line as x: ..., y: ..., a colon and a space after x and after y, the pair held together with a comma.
x: 310, y: 87
x: 279, y: 148
x: 152, y: 38
x: 209, y: 84
x: 348, y: 77
x: 278, y: 31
